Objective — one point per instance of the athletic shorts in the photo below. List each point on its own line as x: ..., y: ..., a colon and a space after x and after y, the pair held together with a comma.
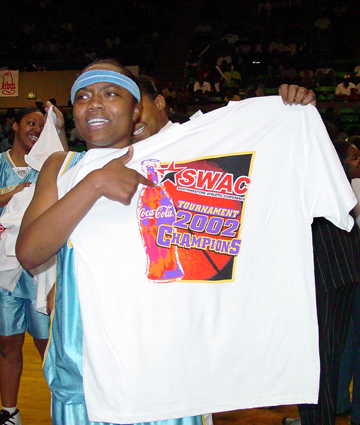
x: 70, y: 414
x: 18, y: 315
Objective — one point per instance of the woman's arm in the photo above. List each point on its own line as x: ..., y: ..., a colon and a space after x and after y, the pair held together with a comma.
x: 48, y: 222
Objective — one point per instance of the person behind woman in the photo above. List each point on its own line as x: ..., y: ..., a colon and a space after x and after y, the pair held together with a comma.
x: 349, y: 155
x: 153, y: 117
x: 337, y: 269
x: 350, y: 361
x: 17, y: 308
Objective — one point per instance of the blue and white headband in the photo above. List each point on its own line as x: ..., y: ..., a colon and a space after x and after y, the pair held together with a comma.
x: 104, y: 75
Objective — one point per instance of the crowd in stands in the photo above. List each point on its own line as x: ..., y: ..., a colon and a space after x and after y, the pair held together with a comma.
x: 237, y: 52
x: 312, y: 44
x: 40, y: 35
x: 259, y: 44
x: 293, y: 42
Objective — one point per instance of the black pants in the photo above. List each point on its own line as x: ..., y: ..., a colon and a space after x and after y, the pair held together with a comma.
x: 334, y: 311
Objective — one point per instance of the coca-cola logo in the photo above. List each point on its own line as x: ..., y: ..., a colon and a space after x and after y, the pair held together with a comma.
x: 8, y: 87
x: 160, y: 212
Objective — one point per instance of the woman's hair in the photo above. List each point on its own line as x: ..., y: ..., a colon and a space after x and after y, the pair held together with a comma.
x: 342, y: 148
x: 116, y: 64
x: 148, y: 87
x: 354, y: 140
x: 25, y: 111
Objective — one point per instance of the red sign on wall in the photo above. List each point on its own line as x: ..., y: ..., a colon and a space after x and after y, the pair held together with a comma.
x: 9, y: 83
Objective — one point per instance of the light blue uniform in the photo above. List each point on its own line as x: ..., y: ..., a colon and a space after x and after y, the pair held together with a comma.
x: 63, y: 361
x: 17, y: 309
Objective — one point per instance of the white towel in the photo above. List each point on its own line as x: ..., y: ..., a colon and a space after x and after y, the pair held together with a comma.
x: 47, y: 144
x: 10, y: 269
x: 11, y: 219
x: 44, y: 277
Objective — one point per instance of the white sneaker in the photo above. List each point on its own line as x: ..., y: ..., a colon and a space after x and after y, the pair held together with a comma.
x: 291, y: 421
x: 10, y: 419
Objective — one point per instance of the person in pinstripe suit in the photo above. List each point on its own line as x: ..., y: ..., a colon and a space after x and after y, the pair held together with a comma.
x: 337, y: 271
x: 350, y: 361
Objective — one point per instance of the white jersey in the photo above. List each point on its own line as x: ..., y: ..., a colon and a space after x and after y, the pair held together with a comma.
x: 220, y: 327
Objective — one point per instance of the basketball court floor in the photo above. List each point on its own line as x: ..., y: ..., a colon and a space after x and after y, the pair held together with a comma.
x: 34, y: 400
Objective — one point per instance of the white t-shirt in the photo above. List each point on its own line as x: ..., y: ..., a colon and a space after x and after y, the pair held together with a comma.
x: 237, y: 327
x: 355, y: 184
x: 341, y: 90
x: 204, y: 87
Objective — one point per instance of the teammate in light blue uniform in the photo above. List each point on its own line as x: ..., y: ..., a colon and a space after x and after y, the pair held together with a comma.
x: 17, y: 308
x: 12, y: 180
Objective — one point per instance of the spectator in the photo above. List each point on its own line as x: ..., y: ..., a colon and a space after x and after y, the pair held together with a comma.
x: 250, y: 93
x: 169, y: 91
x: 231, y: 74
x: 325, y: 76
x: 257, y: 86
x: 201, y: 87
x: 290, y: 49
x: 307, y: 78
x: 232, y: 94
x: 288, y: 73
x: 323, y: 23
x: 225, y: 53
x: 264, y: 10
x: 357, y: 71
x: 344, y: 89
x: 277, y: 45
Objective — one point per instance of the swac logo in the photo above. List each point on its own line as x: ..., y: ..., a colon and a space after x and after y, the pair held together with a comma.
x: 214, y: 181
x: 8, y: 87
x: 208, y: 180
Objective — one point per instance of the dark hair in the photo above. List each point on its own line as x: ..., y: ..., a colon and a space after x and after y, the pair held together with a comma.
x: 342, y: 148
x: 251, y: 93
x: 354, y: 140
x: 10, y: 112
x: 25, y: 111
x: 121, y: 68
x: 148, y: 86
